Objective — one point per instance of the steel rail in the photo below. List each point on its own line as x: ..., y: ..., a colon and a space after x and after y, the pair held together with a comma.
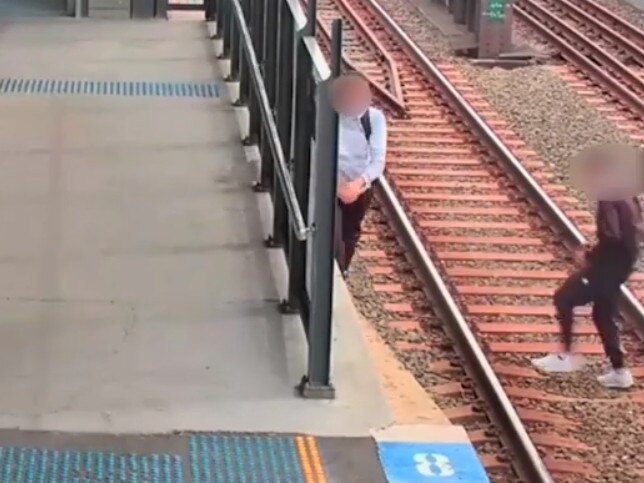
x: 529, y: 464
x: 595, y: 9
x: 630, y: 98
x: 618, y: 39
x: 573, y: 238
x: 534, y: 8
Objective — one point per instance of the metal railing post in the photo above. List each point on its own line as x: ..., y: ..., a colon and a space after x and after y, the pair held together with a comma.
x: 290, y: 102
x: 270, y: 31
x: 317, y: 382
x: 303, y: 133
x: 311, y: 17
x: 235, y: 51
x: 266, y: 44
x: 256, y: 24
x: 296, y: 216
x: 210, y: 10
x: 285, y: 83
x: 267, y: 176
x: 244, y: 81
x: 224, y: 20
x: 220, y: 18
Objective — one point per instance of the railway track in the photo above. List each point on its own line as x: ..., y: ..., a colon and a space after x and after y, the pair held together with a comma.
x: 497, y: 233
x: 606, y: 48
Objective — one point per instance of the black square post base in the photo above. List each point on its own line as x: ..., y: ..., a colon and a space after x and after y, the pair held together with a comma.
x: 271, y: 242
x: 249, y: 141
x: 287, y: 308
x: 315, y: 391
x: 259, y: 187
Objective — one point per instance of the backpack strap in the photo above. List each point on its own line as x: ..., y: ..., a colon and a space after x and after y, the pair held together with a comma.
x: 365, y: 120
x: 639, y: 219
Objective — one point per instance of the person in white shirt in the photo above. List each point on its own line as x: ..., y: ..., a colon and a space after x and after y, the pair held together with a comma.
x: 362, y: 146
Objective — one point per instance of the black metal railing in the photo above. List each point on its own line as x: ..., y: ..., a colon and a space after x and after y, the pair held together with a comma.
x: 284, y: 81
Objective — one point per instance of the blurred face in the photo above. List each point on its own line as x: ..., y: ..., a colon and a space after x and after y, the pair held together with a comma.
x: 609, y: 172
x: 351, y: 95
x: 609, y: 182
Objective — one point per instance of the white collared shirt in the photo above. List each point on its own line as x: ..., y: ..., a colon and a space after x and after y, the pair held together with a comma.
x: 358, y: 158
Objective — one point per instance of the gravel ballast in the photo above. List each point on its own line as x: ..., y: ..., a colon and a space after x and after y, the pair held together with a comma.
x: 545, y: 113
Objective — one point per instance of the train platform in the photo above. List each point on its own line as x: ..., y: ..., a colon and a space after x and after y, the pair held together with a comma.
x: 139, y: 336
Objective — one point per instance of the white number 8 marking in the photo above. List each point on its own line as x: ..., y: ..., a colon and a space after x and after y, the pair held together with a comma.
x: 425, y: 462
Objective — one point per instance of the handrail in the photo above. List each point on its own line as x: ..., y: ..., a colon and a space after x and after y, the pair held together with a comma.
x: 298, y: 14
x: 295, y: 129
x: 321, y: 70
x: 297, y: 219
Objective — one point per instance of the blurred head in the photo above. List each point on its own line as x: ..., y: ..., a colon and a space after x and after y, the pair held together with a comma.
x: 609, y: 172
x: 351, y: 94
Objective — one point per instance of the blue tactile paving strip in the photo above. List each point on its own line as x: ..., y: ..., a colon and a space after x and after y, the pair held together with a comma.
x: 244, y: 458
x: 106, y: 88
x: 27, y: 465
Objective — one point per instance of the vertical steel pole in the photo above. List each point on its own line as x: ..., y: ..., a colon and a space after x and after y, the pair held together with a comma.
x: 303, y: 136
x: 235, y: 46
x: 219, y: 17
x: 283, y: 85
x: 224, y: 24
x: 285, y: 101
x: 244, y: 74
x: 268, y: 46
x: 311, y: 17
x: 210, y: 10
x: 317, y: 382
x: 256, y: 23
x: 270, y: 30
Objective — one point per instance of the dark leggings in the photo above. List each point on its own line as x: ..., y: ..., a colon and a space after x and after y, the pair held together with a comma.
x: 348, y: 221
x: 602, y: 288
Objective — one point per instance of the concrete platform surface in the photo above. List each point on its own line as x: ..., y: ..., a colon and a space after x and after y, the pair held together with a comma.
x: 136, y: 295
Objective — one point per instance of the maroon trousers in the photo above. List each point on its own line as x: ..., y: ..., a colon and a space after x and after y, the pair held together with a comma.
x: 348, y: 220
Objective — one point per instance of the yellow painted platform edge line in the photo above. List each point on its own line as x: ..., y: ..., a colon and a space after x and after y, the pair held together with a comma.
x: 408, y: 401
x: 305, y: 462
x: 315, y: 459
x: 310, y: 460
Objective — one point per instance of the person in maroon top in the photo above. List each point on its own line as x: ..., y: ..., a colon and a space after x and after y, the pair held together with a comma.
x: 601, y: 270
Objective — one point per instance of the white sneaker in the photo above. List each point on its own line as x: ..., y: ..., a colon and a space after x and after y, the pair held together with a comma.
x: 617, y: 379
x: 559, y: 363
